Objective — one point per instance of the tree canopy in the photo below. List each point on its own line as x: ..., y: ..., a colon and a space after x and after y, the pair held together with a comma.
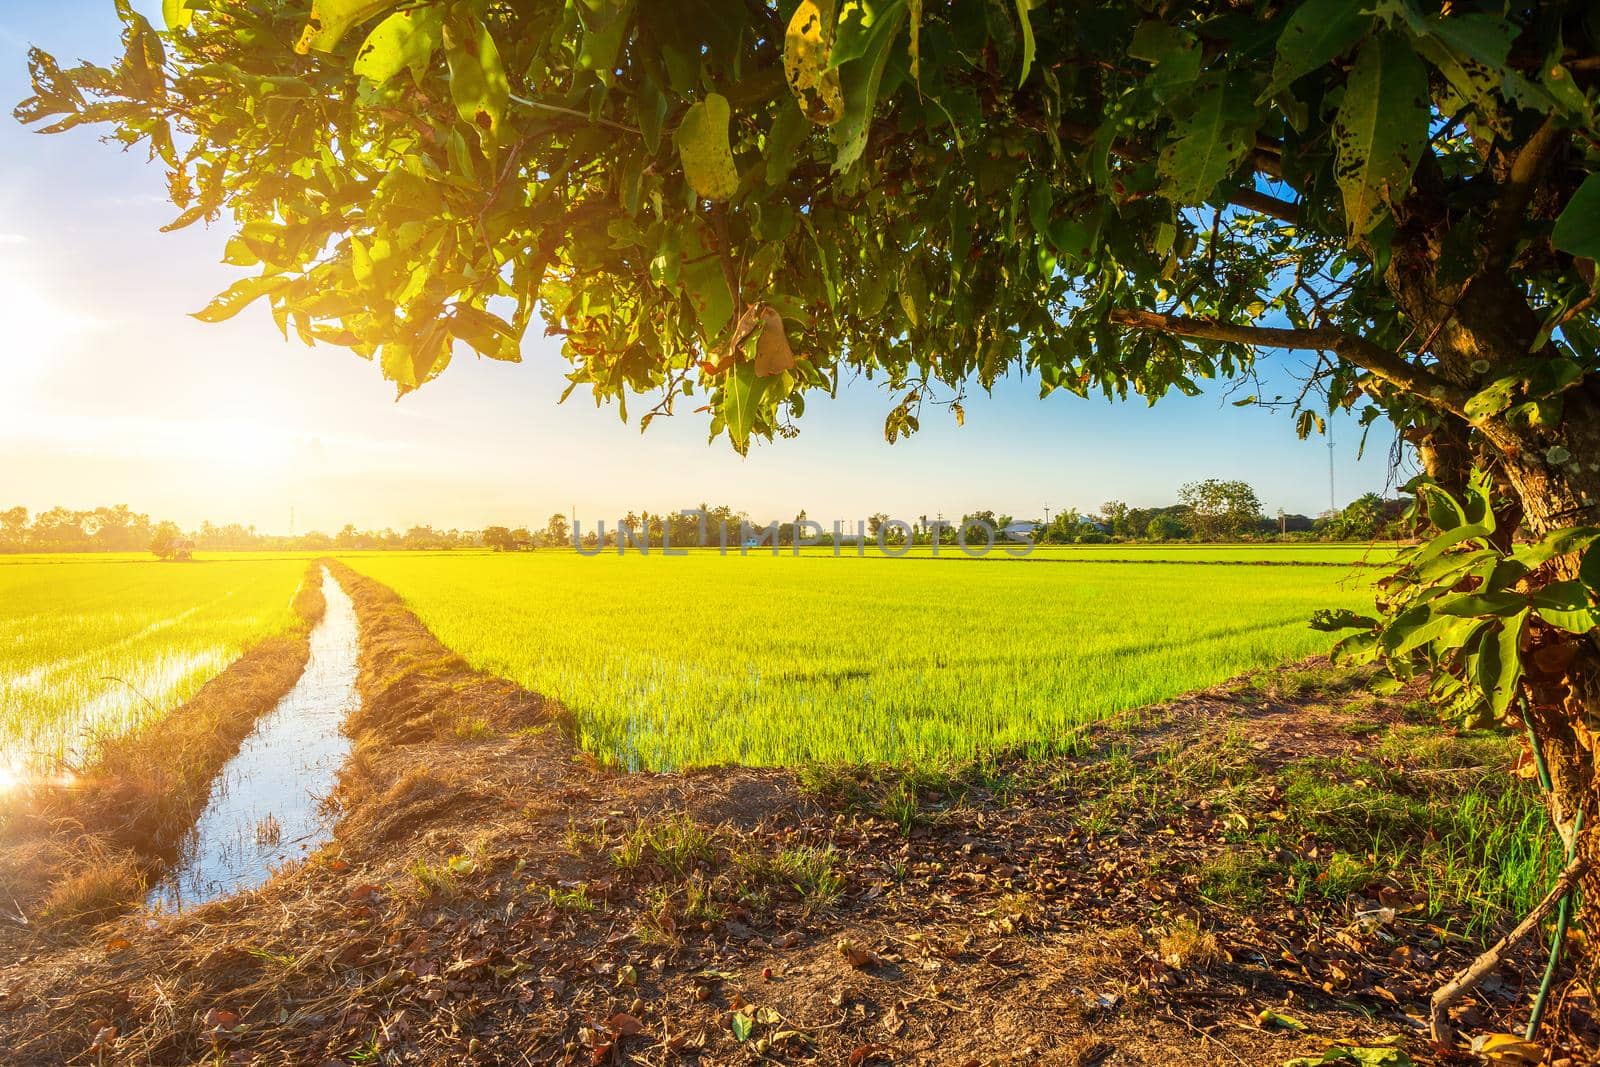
x: 735, y: 201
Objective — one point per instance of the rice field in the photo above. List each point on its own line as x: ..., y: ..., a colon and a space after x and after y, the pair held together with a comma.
x: 706, y: 659
x: 90, y: 646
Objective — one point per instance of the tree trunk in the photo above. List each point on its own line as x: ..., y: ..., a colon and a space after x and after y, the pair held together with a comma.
x: 1556, y: 477
x: 1552, y: 473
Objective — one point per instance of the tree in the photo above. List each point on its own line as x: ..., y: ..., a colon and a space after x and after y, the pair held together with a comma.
x: 1360, y: 520
x: 499, y: 538
x: 1166, y: 527
x: 1115, y: 515
x: 1219, y: 509
x: 555, y: 531
x: 167, y: 542
x: 742, y: 202
x: 13, y: 528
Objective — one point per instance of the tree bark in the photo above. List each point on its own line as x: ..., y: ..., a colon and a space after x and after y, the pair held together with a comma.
x: 1552, y: 476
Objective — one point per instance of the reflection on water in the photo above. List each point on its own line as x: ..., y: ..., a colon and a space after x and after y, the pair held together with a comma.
x: 265, y: 810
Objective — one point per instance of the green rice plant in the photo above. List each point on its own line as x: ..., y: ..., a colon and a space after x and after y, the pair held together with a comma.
x: 670, y: 662
x: 91, y: 647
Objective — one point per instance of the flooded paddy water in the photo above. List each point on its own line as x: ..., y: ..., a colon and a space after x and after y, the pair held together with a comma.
x: 266, y: 806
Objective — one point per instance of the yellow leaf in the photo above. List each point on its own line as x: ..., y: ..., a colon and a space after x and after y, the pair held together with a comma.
x: 702, y: 141
x: 773, y: 354
x: 331, y: 18
x: 806, y: 46
x: 1509, y: 1049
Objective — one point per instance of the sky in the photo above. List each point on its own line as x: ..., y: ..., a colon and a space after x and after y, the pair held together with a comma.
x: 110, y: 393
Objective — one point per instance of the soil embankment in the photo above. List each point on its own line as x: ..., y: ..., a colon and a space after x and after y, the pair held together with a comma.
x: 495, y: 895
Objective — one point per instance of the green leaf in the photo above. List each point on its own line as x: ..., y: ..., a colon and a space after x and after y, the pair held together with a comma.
x: 1419, y: 626
x: 486, y: 332
x: 330, y: 19
x: 1330, y: 620
x: 1354, y: 650
x: 651, y: 105
x: 1209, y: 143
x: 1589, y: 569
x: 177, y: 14
x: 1477, y: 605
x: 914, y: 44
x: 1028, y: 45
x: 858, y: 23
x: 1317, y: 33
x: 1499, y: 666
x: 1270, y: 1019
x: 478, y: 82
x: 707, y: 288
x: 604, y: 26
x: 1381, y: 129
x: 1577, y: 230
x: 741, y: 399
x: 1567, y: 606
x: 1175, y: 52
x: 1557, y: 543
x: 859, y: 81
x: 789, y: 129
x: 1443, y: 511
x: 1355, y: 1056
x: 702, y: 141
x: 1492, y: 399
x: 1155, y: 41
x: 405, y: 40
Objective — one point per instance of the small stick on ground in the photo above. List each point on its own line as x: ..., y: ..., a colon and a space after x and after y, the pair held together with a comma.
x: 1463, y: 983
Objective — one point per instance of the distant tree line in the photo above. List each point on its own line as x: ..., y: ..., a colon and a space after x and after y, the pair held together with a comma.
x: 1210, y: 510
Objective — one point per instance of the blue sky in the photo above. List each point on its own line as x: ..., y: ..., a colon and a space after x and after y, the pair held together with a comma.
x: 110, y: 393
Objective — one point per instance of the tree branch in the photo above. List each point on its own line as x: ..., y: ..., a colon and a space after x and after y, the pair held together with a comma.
x: 1512, y: 203
x: 1463, y: 983
x: 1381, y: 363
x: 1264, y: 204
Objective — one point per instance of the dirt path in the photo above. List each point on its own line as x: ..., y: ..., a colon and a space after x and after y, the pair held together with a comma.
x: 496, y: 896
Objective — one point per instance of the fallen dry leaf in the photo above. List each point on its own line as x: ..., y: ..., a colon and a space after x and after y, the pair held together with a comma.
x: 1508, y: 1049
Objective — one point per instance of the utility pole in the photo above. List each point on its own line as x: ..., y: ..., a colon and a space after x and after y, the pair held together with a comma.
x: 1333, y: 506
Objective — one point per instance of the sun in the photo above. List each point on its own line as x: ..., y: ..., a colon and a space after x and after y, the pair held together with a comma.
x: 39, y: 330
x: 12, y: 774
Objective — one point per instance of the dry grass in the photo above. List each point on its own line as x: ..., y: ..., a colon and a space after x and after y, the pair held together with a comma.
x: 102, y: 888
x: 1187, y: 947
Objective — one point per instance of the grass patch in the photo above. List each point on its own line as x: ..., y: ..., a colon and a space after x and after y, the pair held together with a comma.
x: 469, y: 728
x: 675, y: 843
x: 441, y: 880
x: 808, y: 871
x: 98, y: 891
x: 1440, y: 814
x: 1235, y: 879
x: 909, y: 795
